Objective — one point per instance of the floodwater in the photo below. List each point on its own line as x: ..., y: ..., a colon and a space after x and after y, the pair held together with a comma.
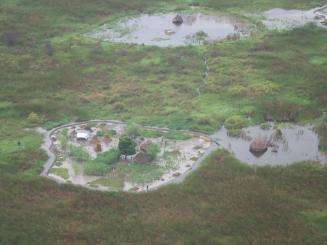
x: 298, y: 143
x: 281, y: 19
x: 159, y: 30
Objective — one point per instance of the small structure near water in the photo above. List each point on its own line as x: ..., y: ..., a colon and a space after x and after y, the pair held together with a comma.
x: 178, y: 19
x: 274, y: 145
x: 258, y: 146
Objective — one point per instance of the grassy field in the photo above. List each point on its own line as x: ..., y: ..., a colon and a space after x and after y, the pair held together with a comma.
x: 51, y: 73
x: 225, y: 202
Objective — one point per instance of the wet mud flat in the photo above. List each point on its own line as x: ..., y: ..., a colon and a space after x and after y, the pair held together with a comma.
x: 159, y: 29
x: 291, y: 144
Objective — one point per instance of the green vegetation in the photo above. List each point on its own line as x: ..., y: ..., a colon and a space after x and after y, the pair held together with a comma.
x: 109, y: 157
x: 116, y: 184
x: 228, y: 200
x: 63, y: 138
x: 103, y: 163
x: 235, y: 124
x: 148, y: 133
x: 140, y: 173
x: 176, y: 135
x: 61, y: 172
x: 321, y: 128
x: 126, y: 145
x: 132, y: 130
x: 52, y: 74
x: 152, y: 150
x: 96, y: 168
x: 78, y: 153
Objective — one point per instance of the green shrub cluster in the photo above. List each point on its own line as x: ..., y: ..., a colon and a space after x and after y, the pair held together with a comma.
x: 96, y: 168
x: 78, y: 153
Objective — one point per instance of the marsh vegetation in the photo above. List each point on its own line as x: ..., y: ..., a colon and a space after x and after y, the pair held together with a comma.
x: 52, y: 73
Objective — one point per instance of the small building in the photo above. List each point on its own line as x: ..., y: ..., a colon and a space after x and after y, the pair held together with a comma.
x: 82, y: 135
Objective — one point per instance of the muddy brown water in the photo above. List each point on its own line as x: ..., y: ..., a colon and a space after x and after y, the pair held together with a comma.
x: 298, y: 143
x: 159, y: 30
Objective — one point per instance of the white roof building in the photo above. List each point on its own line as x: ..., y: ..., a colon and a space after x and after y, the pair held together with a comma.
x: 82, y: 135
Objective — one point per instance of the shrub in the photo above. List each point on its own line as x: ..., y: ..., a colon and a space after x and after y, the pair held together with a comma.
x: 126, y: 145
x: 234, y: 124
x: 152, y: 151
x: 112, y: 132
x: 100, y: 133
x: 78, y: 153
x: 108, y: 157
x: 132, y: 130
x: 96, y: 168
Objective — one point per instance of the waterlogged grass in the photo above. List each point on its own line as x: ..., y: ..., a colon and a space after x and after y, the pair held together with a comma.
x: 61, y: 172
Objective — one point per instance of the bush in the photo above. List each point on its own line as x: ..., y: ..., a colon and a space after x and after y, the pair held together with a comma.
x: 78, y: 153
x: 100, y: 133
x: 132, y: 130
x: 110, y: 157
x: 234, y: 124
x: 126, y: 145
x: 152, y: 151
x: 96, y: 168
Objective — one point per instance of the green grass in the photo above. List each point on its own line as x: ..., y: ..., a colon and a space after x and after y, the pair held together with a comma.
x: 96, y: 168
x: 229, y: 200
x: 78, y: 153
x: 114, y: 183
x: 61, y: 172
x: 139, y: 173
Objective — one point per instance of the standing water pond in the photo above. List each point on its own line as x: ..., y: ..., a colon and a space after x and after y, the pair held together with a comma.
x: 286, y: 145
x: 159, y: 29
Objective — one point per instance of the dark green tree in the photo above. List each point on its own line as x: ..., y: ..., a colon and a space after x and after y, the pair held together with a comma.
x: 126, y: 145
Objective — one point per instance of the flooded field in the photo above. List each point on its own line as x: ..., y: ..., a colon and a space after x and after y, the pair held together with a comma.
x: 285, y: 146
x: 281, y: 19
x: 159, y: 29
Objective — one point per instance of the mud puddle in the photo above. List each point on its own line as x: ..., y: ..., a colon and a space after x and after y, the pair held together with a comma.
x: 295, y: 144
x: 159, y: 30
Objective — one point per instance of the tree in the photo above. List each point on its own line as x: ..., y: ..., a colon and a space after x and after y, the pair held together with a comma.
x: 126, y: 146
x: 132, y: 130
